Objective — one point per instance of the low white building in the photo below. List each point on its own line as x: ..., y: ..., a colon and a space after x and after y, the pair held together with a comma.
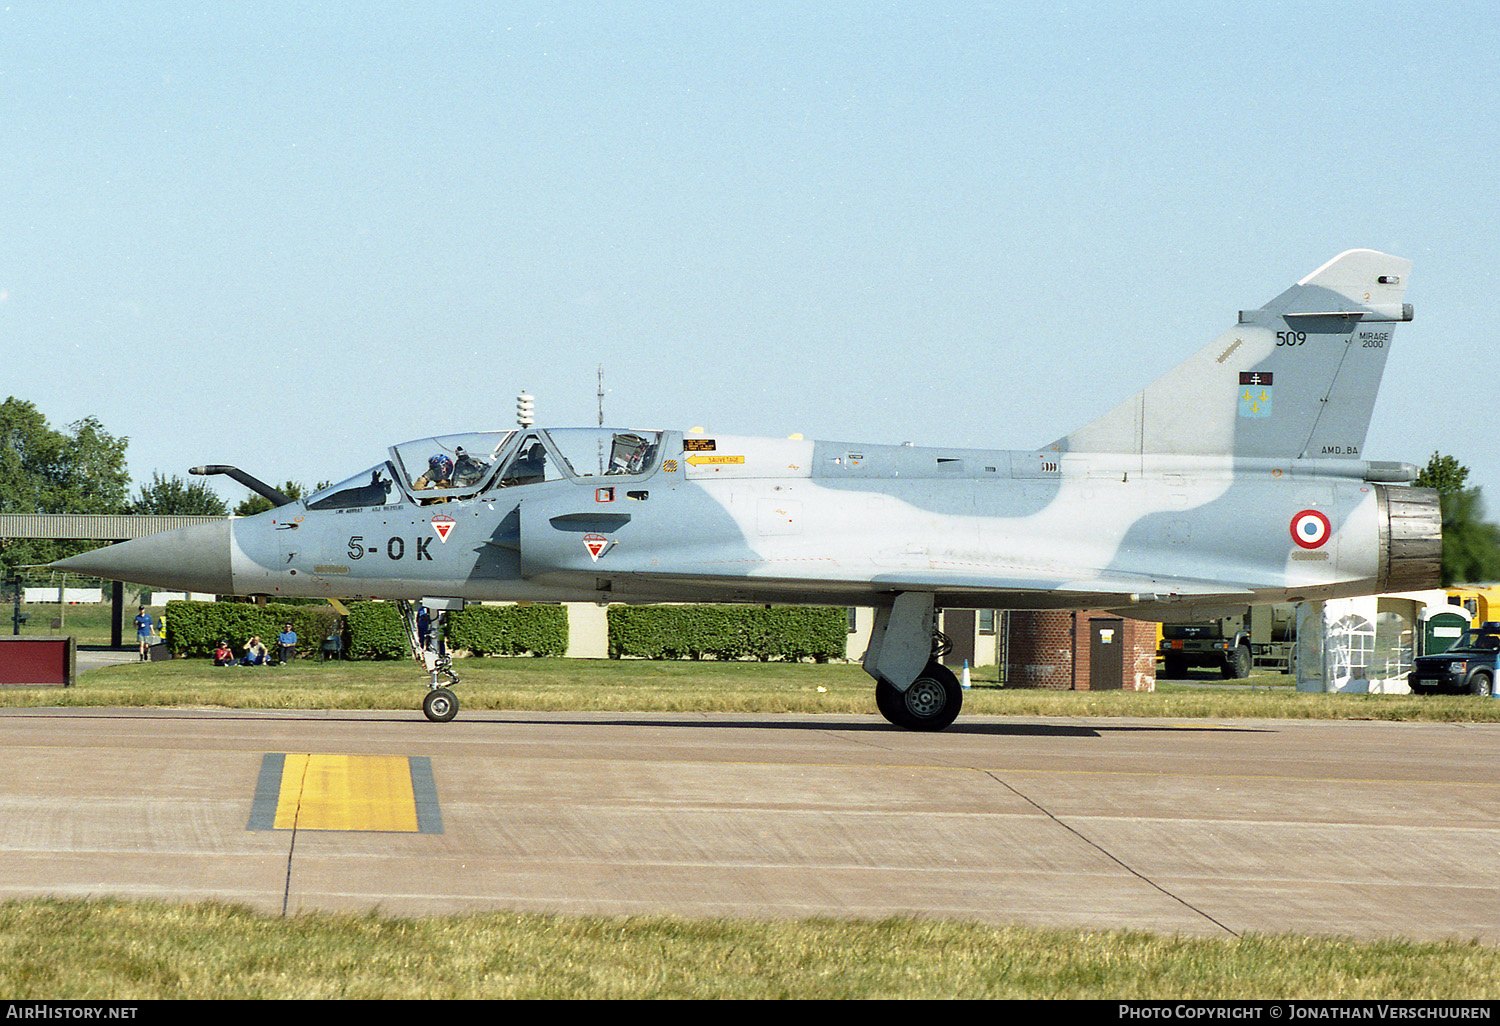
x: 1364, y: 645
x: 161, y: 598
x: 71, y: 596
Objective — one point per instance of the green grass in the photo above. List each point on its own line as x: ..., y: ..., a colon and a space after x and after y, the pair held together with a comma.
x: 142, y: 951
x: 561, y: 685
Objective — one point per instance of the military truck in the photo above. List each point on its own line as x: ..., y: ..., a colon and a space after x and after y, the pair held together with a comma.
x: 1465, y: 667
x: 1262, y: 637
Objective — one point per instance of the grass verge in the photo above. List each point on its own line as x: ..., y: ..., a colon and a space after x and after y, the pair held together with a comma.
x: 144, y: 951
x: 562, y: 685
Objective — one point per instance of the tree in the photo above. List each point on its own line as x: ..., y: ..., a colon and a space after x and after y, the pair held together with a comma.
x: 1444, y: 474
x: 81, y: 470
x: 1471, y: 546
x: 259, y: 503
x: 175, y: 497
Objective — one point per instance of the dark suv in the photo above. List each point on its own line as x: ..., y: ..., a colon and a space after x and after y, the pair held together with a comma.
x: 1467, y: 667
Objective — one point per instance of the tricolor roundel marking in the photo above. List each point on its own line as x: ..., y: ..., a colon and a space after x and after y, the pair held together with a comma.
x: 1310, y: 529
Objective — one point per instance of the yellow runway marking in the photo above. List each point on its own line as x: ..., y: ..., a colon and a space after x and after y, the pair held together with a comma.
x: 346, y: 792
x: 388, y: 793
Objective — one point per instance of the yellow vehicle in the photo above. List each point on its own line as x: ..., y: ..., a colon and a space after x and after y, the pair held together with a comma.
x: 1482, y: 604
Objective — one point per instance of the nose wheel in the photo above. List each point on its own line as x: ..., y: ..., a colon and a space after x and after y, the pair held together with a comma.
x: 440, y: 705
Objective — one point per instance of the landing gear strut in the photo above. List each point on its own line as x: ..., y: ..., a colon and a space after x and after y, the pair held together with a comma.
x: 440, y: 704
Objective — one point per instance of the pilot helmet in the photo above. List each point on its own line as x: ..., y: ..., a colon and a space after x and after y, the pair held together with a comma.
x: 440, y: 466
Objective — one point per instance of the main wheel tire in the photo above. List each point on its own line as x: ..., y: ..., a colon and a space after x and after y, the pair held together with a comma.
x: 890, y: 703
x: 440, y: 705
x: 1481, y: 683
x: 933, y: 700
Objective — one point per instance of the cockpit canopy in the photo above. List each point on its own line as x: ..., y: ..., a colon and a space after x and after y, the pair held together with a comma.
x: 448, y: 467
x: 455, y: 466
x: 603, y: 452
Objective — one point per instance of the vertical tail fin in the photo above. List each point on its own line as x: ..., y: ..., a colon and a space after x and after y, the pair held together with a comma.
x: 1296, y: 378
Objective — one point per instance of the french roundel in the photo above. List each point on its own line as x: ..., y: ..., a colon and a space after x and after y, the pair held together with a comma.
x: 1310, y: 529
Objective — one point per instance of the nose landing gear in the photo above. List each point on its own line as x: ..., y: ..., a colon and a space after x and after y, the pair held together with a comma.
x: 440, y: 704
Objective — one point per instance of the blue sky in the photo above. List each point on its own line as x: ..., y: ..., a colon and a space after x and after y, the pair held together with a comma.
x: 286, y: 235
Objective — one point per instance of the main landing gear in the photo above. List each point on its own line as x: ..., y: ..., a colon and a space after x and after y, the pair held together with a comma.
x: 905, y: 646
x: 440, y: 703
x: 931, y: 702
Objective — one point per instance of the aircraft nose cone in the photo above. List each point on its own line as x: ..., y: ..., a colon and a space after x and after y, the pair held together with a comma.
x: 188, y: 559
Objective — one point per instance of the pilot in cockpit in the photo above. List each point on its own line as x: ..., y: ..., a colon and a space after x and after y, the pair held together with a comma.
x: 439, y: 474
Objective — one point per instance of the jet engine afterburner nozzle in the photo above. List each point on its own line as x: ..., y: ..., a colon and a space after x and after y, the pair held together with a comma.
x: 1411, y: 539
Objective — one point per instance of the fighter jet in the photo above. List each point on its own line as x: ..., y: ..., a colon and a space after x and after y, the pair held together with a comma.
x: 1238, y: 477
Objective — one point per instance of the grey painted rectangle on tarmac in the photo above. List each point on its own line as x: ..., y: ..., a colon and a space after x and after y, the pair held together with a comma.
x: 267, y: 792
x: 424, y: 790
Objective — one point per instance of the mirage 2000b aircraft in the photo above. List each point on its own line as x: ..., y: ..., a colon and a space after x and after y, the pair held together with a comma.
x: 1236, y: 478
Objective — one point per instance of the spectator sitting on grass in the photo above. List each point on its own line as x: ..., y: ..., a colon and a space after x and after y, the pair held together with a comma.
x: 223, y: 655
x: 255, y: 652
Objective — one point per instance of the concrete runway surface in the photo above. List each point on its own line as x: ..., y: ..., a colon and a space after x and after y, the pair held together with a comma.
x: 1364, y: 829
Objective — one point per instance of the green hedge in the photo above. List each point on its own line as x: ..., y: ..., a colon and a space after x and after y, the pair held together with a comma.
x: 728, y: 632
x: 373, y: 631
x: 508, y: 630
x: 195, y: 628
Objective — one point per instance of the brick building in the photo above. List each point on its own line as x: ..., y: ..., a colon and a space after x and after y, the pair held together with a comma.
x: 1079, y: 651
